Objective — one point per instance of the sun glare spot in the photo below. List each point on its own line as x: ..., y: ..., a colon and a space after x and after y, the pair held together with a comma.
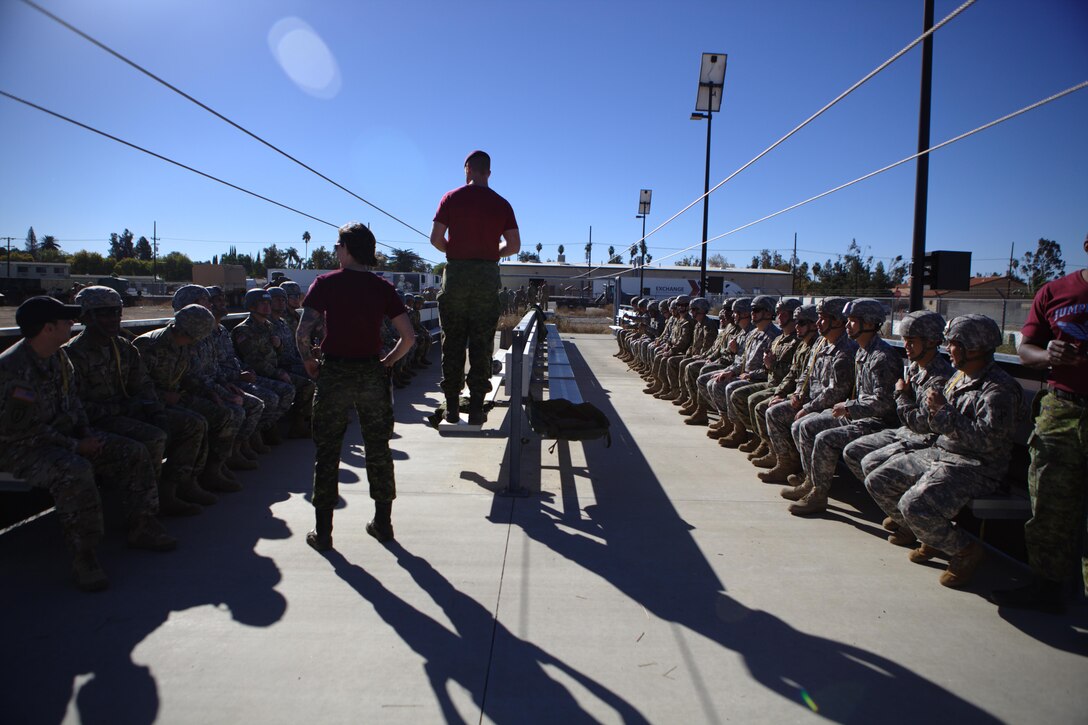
x: 304, y: 57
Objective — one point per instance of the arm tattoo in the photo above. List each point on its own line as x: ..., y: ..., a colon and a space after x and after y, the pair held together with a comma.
x: 311, y: 326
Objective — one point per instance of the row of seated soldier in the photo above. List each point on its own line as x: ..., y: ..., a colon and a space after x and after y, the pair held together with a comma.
x: 800, y: 388
x: 167, y: 417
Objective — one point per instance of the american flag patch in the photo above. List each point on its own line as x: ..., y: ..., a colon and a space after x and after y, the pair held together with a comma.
x: 24, y: 395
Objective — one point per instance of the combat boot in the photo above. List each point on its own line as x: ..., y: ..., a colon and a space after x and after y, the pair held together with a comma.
x: 962, y: 566
x: 762, y: 448
x: 652, y: 388
x: 300, y: 427
x: 246, y: 450
x: 734, y: 439
x: 271, y: 435
x: 924, y: 553
x: 476, y: 414
x: 768, y: 461
x: 238, y: 462
x: 1041, y: 595
x: 890, y: 524
x: 902, y: 537
x: 321, y: 536
x: 88, y: 572
x: 814, y: 502
x: 722, y: 428
x: 796, y: 479
x: 171, y: 505
x: 751, y: 445
x: 681, y: 399
x: 697, y: 418
x: 381, y: 526
x: 688, y: 408
x: 453, y: 409
x: 783, y: 467
x: 192, y: 492
x: 147, y: 533
x: 212, y: 478
x: 257, y: 445
x: 796, y: 493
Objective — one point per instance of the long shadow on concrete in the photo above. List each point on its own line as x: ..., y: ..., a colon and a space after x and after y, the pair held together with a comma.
x: 649, y: 554
x: 67, y: 652
x: 462, y: 655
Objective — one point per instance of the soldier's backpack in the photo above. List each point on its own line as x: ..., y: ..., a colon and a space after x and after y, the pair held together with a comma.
x: 566, y: 421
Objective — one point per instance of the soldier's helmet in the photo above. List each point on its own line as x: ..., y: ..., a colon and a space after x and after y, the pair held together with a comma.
x: 274, y: 292
x: 702, y: 304
x: 187, y: 295
x: 790, y: 304
x: 742, y: 306
x: 765, y: 303
x: 97, y: 297
x: 409, y: 299
x: 808, y: 313
x: 194, y: 320
x: 636, y: 301
x: 865, y: 309
x: 291, y: 288
x: 681, y: 300
x: 255, y: 296
x: 974, y: 332
x: 214, y: 291
x: 922, y: 323
x: 727, y: 306
x: 654, y: 306
x: 833, y: 307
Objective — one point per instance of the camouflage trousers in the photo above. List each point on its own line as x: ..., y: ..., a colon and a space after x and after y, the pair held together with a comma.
x: 468, y: 311
x: 758, y: 403
x: 1058, y: 484
x: 177, y: 435
x: 151, y: 437
x: 342, y: 385
x: 735, y: 397
x: 70, y: 479
x: 423, y: 343
x: 820, y: 439
x: 924, y: 489
x: 672, y: 370
x: 304, y: 395
x: 870, y: 452
x: 742, y: 403
x: 780, y: 426
x: 224, y: 422
x: 703, y: 380
x: 277, y: 395
x: 253, y: 411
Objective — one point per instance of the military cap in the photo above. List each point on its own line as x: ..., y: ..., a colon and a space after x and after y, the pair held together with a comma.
x: 866, y: 309
x: 700, y: 303
x: 290, y: 287
x: 214, y: 291
x: 832, y: 307
x: 922, y: 323
x: 787, y: 303
x: 42, y: 309
x: 196, y: 321
x: 187, y: 295
x: 974, y: 332
x: 276, y: 292
x: 97, y: 297
x: 742, y: 306
x: 808, y: 313
x: 255, y: 296
x: 763, y: 302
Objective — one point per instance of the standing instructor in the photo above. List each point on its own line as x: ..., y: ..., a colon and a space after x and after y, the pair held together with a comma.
x: 474, y: 227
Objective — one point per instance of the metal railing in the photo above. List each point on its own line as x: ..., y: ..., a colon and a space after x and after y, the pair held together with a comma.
x: 522, y: 357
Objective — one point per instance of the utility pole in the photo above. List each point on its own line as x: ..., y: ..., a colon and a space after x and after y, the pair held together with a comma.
x: 793, y: 266
x: 921, y: 180
x: 1008, y: 286
x: 155, y: 253
x: 9, y: 240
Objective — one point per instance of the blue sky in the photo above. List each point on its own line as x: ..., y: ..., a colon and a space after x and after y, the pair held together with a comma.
x: 580, y: 104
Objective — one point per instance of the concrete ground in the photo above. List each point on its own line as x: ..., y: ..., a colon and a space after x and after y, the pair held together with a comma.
x: 654, y: 581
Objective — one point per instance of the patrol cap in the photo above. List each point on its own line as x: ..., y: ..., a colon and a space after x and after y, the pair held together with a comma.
x: 832, y: 307
x: 789, y: 304
x: 866, y: 309
x: 763, y: 302
x: 290, y: 287
x: 37, y: 311
x: 276, y: 292
x: 97, y: 297
x: 922, y: 323
x: 700, y: 303
x: 187, y: 295
x: 807, y: 313
x: 196, y: 321
x: 742, y: 306
x: 255, y: 296
x: 214, y: 291
x: 975, y: 332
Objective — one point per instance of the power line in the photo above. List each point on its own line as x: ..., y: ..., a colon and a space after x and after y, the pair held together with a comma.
x: 215, y: 113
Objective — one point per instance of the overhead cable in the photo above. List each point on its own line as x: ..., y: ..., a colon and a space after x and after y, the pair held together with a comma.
x: 215, y: 113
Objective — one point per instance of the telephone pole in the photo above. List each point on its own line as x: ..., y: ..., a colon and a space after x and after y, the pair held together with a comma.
x: 155, y: 253
x: 9, y: 240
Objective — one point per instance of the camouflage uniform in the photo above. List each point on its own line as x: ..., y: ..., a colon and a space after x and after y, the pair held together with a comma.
x: 725, y: 358
x: 468, y: 312
x: 253, y: 344
x: 342, y: 385
x: 701, y: 339
x: 922, y: 490
x: 756, y: 344
x: 227, y: 422
x: 758, y: 405
x: 820, y: 438
x: 782, y: 350
x: 713, y: 356
x: 683, y: 333
x: 41, y: 422
x: 272, y: 406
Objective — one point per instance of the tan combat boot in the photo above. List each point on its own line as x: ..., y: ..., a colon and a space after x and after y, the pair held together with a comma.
x: 902, y: 537
x: 770, y: 460
x: 796, y: 493
x: 814, y: 502
x: 146, y: 532
x: 962, y: 566
x: 697, y: 418
x: 738, y: 437
x: 924, y: 553
x: 783, y: 467
x: 753, y: 444
x: 890, y: 524
x: 88, y: 572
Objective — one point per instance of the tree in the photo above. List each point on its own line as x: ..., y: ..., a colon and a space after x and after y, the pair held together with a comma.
x: 560, y: 248
x: 528, y: 256
x: 176, y: 267
x: 32, y: 243
x: 539, y: 247
x: 589, y: 252
x: 717, y: 261
x: 405, y: 260
x: 439, y: 269
x: 770, y: 260
x: 143, y: 249
x: 121, y: 246
x: 322, y: 258
x: 132, y: 267
x: 688, y: 261
x: 306, y: 244
x: 272, y: 257
x: 84, y: 262
x: 290, y: 256
x: 49, y: 249
x: 611, y: 254
x: 1042, y: 265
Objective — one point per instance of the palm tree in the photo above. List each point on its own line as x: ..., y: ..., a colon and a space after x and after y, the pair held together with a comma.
x: 306, y: 245
x: 539, y: 246
x: 404, y: 260
x: 291, y: 256
x: 611, y: 254
x: 49, y: 243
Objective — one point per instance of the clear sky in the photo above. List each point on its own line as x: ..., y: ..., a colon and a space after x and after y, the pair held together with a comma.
x: 580, y: 104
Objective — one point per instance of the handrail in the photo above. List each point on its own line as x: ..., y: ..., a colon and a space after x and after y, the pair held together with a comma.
x: 529, y: 324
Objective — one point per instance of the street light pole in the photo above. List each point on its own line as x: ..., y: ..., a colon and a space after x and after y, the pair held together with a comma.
x: 644, y: 196
x: 706, y: 208
x: 707, y: 102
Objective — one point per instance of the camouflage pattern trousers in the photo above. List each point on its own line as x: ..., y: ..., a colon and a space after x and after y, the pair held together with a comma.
x: 820, y: 439
x: 224, y: 422
x: 870, y: 452
x: 278, y: 397
x: 468, y: 311
x: 178, y: 435
x: 341, y: 386
x: 780, y: 426
x: 758, y: 402
x: 741, y: 403
x: 70, y: 480
x: 924, y: 489
x: 1058, y: 484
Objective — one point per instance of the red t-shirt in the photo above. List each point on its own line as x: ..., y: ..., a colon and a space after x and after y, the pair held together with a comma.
x: 354, y: 303
x: 475, y: 217
x: 1060, y: 312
